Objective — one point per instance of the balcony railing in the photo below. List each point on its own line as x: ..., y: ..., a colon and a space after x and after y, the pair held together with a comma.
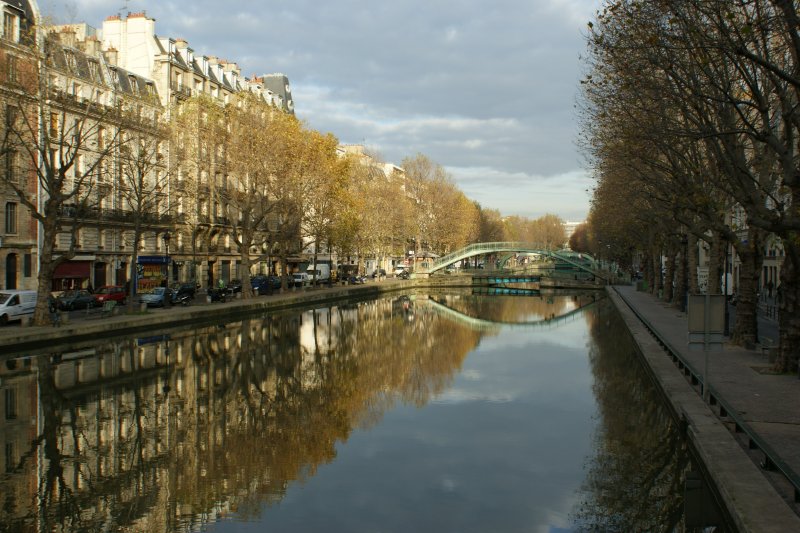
x: 99, y: 214
x: 181, y: 91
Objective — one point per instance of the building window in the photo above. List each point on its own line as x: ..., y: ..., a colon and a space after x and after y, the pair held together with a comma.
x: 11, y: 166
x: 27, y: 265
x: 101, y: 134
x: 69, y: 55
x: 11, y: 68
x: 11, y: 403
x: 54, y: 125
x: 11, y: 217
x: 9, y: 27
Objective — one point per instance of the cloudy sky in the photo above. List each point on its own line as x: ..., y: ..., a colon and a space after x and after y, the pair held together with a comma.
x: 487, y: 89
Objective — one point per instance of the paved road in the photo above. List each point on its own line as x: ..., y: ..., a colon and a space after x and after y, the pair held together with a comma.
x: 766, y: 402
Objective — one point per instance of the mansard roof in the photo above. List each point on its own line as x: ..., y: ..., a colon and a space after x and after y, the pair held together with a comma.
x: 76, y: 63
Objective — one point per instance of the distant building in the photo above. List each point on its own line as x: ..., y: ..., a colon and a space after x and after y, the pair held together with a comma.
x: 569, y: 229
x: 278, y: 84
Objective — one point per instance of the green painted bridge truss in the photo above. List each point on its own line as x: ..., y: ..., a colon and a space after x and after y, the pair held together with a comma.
x: 580, y: 261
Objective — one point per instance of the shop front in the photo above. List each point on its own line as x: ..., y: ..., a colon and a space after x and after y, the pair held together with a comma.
x: 72, y: 274
x: 151, y: 272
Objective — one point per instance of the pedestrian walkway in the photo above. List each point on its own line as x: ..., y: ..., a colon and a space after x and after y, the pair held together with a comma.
x: 748, y: 397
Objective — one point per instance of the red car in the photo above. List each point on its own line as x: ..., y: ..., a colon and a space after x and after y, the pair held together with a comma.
x: 110, y: 292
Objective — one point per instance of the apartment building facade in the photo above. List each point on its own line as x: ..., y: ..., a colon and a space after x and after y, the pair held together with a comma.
x: 127, y: 82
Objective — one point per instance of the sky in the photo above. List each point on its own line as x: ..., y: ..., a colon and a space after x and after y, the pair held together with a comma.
x: 486, y: 89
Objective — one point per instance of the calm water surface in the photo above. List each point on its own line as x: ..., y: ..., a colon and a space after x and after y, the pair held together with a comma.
x: 442, y: 412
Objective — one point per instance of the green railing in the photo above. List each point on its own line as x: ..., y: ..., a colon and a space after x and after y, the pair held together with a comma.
x: 581, y: 261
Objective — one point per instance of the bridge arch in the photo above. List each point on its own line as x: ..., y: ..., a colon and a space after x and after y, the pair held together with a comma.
x: 482, y: 324
x: 581, y: 261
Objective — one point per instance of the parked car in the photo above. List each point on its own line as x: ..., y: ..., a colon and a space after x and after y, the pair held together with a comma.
x: 265, y: 284
x: 181, y: 290
x: 405, y: 274
x: 378, y: 272
x: 234, y: 286
x: 78, y: 299
x: 16, y: 304
x: 300, y: 279
x: 399, y: 269
x: 110, y: 293
x: 356, y: 280
x: 157, y: 298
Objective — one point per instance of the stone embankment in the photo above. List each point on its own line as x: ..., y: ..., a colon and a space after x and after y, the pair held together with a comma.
x: 754, y: 414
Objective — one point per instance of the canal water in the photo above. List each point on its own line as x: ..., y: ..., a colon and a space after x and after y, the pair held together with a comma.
x: 423, y: 412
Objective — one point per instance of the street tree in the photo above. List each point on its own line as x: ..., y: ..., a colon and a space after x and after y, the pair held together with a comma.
x: 143, y: 186
x: 58, y: 151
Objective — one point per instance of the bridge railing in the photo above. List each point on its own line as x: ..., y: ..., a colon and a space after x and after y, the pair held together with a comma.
x: 482, y: 248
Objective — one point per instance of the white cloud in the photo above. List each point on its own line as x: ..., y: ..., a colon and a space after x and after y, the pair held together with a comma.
x: 489, y: 89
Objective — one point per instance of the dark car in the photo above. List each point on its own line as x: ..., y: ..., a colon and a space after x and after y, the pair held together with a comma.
x: 78, y: 299
x: 378, y: 273
x: 405, y: 274
x: 265, y: 284
x: 179, y: 290
x: 110, y: 293
x: 356, y: 280
x: 234, y: 285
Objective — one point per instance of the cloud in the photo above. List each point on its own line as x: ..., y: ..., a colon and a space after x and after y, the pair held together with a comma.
x: 472, y: 85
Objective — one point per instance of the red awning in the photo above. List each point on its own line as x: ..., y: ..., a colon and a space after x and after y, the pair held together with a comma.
x: 72, y: 269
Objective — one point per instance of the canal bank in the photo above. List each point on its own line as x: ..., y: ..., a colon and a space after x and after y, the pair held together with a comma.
x: 89, y: 325
x: 753, y: 420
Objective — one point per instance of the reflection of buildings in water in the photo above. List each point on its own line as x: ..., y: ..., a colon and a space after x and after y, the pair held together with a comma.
x: 18, y: 394
x: 162, y: 433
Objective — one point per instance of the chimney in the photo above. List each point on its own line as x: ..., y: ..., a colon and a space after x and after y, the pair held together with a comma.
x: 67, y: 37
x: 92, y: 46
x: 111, y: 55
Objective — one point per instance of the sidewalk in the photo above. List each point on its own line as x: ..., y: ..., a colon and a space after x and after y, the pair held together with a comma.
x: 766, y: 403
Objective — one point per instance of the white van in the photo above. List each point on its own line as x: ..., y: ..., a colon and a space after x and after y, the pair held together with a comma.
x: 323, y: 273
x: 16, y: 304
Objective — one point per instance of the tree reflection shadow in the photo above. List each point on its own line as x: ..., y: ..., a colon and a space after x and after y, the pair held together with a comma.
x: 167, y: 432
x: 635, y: 479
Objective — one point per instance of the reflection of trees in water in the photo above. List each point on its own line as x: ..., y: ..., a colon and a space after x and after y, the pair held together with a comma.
x: 635, y: 479
x: 516, y: 309
x: 221, y: 418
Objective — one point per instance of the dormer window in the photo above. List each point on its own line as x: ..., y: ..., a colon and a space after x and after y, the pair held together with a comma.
x: 9, y: 27
x: 69, y: 55
x: 134, y: 84
x: 94, y: 71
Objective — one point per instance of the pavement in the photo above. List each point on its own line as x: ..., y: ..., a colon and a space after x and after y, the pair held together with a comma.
x: 762, y: 402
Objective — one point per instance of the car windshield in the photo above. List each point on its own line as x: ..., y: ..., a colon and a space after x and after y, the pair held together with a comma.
x: 4, y: 297
x: 69, y: 294
x: 159, y: 290
x: 103, y: 290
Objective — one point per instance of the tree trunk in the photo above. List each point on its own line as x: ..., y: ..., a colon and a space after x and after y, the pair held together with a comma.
x: 41, y: 315
x: 716, y: 258
x: 745, y: 331
x: 789, y: 307
x: 691, y: 265
x: 679, y: 295
x: 669, y: 275
x: 134, y: 281
x: 245, y: 264
x: 284, y: 256
x: 655, y: 253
